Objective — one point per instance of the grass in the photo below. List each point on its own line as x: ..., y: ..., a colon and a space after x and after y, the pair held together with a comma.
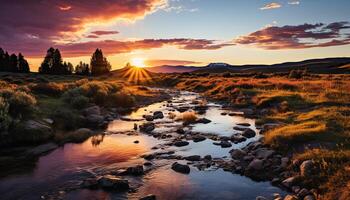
x: 313, y: 111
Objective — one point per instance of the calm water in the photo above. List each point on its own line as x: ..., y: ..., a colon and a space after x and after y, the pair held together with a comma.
x: 59, y: 173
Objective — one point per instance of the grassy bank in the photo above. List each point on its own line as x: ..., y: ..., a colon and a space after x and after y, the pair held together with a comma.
x: 57, y: 105
x: 313, y: 113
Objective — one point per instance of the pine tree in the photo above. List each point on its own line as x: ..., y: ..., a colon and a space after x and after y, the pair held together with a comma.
x: 99, y: 64
x: 23, y: 65
x: 82, y: 69
x: 13, y: 63
x: 2, y: 60
x: 46, y: 65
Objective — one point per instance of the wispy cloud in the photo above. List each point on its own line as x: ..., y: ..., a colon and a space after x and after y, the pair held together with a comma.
x: 299, y: 36
x: 269, y: 6
x: 293, y: 2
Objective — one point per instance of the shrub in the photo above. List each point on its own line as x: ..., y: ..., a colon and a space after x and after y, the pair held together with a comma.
x: 80, y: 102
x: 50, y: 89
x: 5, y: 119
x: 120, y: 99
x: 19, y: 102
x: 188, y: 117
x: 66, y: 119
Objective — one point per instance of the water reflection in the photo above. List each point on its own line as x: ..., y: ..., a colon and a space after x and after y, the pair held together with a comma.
x: 97, y: 139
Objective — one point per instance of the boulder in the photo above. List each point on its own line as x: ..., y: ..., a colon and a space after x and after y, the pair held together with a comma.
x: 255, y: 165
x: 148, y: 117
x: 203, y: 121
x: 247, y: 111
x: 181, y: 143
x: 237, y: 154
x: 225, y: 144
x: 264, y: 153
x: 208, y: 157
x: 113, y: 182
x: 94, y: 120
x: 180, y: 131
x: 248, y: 133
x: 93, y: 110
x: 306, y: 168
x: 193, y: 158
x: 237, y: 128
x: 32, y: 131
x: 136, y: 171
x: 289, y: 182
x: 198, y: 138
x: 238, y: 138
x: 149, y: 197
x: 147, y: 127
x: 185, y: 169
x: 158, y: 115
x: 243, y: 124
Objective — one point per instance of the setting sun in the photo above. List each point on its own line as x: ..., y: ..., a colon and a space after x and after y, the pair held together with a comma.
x: 138, y: 62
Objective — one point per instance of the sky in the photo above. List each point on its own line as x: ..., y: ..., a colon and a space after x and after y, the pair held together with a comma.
x: 177, y: 32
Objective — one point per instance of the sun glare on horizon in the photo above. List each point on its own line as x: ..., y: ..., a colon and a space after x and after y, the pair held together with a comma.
x: 138, y: 62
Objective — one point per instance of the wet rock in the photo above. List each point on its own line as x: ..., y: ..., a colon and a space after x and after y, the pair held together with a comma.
x: 32, y: 130
x: 94, y: 120
x: 136, y: 171
x: 255, y: 165
x: 182, y: 109
x: 158, y: 115
x: 237, y: 128
x: 225, y: 144
x: 303, y: 193
x: 290, y: 197
x: 48, y: 121
x: 185, y: 169
x: 203, y: 121
x: 147, y: 127
x: 42, y: 149
x: 248, y: 133
x: 275, y: 181
x: 295, y: 189
x: 284, y: 162
x: 306, y: 168
x: 223, y: 113
x: 238, y: 138
x: 309, y: 197
x: 237, y: 153
x: 148, y: 117
x: 224, y: 138
x: 149, y: 197
x: 93, y: 110
x: 148, y: 156
x: 193, y: 158
x: 113, y: 182
x: 208, y: 157
x: 91, y: 183
x: 264, y: 153
x: 247, y: 111
x: 181, y: 143
x: 243, y: 124
x: 147, y: 164
x: 180, y: 131
x: 135, y: 126
x: 289, y: 182
x: 198, y: 138
x: 136, y: 142
x: 260, y: 198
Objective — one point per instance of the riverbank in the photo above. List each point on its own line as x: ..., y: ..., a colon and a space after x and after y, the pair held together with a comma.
x: 304, y: 119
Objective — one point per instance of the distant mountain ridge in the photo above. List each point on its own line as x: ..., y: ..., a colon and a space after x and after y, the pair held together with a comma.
x: 322, y: 65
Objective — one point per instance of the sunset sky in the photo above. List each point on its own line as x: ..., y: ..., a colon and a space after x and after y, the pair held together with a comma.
x: 189, y: 32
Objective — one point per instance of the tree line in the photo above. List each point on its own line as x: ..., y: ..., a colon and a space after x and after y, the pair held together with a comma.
x: 53, y: 64
x: 13, y: 63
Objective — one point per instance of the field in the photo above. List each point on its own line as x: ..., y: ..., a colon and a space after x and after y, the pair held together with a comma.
x: 310, y: 116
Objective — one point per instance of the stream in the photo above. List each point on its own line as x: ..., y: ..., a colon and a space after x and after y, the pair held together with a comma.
x: 59, y: 174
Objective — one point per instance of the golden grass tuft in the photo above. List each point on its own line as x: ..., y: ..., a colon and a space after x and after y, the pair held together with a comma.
x: 188, y: 117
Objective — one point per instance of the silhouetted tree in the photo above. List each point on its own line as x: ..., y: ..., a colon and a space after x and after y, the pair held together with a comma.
x: 99, y: 64
x: 53, y: 63
x: 13, y: 63
x: 82, y: 69
x: 23, y: 65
